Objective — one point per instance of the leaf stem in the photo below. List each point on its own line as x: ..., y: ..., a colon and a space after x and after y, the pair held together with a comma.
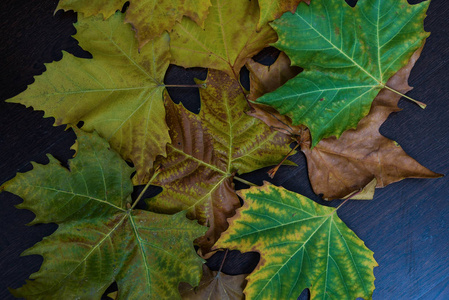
x: 273, y: 171
x: 202, y: 85
x: 222, y: 262
x: 421, y: 104
x: 349, y: 198
x: 244, y: 181
x: 156, y: 172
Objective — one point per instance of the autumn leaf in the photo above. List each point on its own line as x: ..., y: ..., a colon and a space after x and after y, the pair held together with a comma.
x: 118, y: 93
x: 207, y: 150
x: 273, y: 9
x: 215, y: 285
x: 348, y: 55
x: 149, y: 18
x: 338, y: 167
x: 266, y: 79
x: 302, y: 245
x: 100, y: 238
x: 228, y: 39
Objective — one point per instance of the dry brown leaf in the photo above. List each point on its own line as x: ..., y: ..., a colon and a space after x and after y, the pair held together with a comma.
x: 265, y: 79
x: 215, y: 285
x: 338, y: 167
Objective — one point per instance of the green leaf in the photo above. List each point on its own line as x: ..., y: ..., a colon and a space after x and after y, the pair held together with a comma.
x: 118, y: 93
x: 100, y: 239
x: 149, y: 18
x: 208, y: 149
x: 228, y: 40
x: 348, y: 55
x: 302, y: 245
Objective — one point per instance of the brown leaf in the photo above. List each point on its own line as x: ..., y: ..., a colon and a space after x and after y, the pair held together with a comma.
x: 207, y: 150
x: 215, y: 285
x: 265, y: 79
x: 338, y: 167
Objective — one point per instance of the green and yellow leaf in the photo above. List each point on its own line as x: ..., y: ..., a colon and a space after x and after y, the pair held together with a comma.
x: 302, y: 245
x: 118, y: 93
x: 100, y: 239
x: 149, y: 18
x: 348, y: 55
x: 207, y: 150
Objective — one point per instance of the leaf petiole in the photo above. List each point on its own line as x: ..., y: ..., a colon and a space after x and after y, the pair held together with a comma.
x: 202, y: 85
x: 156, y: 172
x: 349, y: 198
x: 245, y: 181
x: 273, y: 171
x: 421, y: 104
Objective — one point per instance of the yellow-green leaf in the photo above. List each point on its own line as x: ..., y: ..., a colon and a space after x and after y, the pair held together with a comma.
x: 100, y: 239
x: 208, y: 149
x: 302, y: 245
x: 228, y: 39
x: 149, y: 18
x: 118, y: 93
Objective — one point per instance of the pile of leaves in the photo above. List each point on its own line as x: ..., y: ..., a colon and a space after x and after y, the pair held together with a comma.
x: 341, y: 72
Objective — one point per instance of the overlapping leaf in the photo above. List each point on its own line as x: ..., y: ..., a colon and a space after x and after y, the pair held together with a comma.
x: 273, y: 9
x: 348, y: 55
x: 149, y: 18
x: 207, y: 149
x: 338, y: 167
x: 215, y: 285
x: 228, y: 39
x: 118, y: 93
x: 302, y: 245
x: 266, y: 79
x: 100, y: 239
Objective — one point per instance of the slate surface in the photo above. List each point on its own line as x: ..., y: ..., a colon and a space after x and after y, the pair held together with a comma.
x: 406, y: 225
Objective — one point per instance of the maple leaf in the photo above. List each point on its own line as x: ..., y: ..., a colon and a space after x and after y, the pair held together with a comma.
x: 100, y: 238
x: 348, y: 55
x: 302, y: 245
x: 215, y: 285
x: 221, y: 44
x: 149, y: 18
x: 274, y: 9
x: 207, y: 150
x: 118, y: 93
x: 338, y: 167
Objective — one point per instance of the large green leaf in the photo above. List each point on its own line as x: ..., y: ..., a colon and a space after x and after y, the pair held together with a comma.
x: 208, y: 149
x: 118, y: 93
x: 302, y: 245
x: 228, y: 39
x: 348, y: 55
x: 100, y: 239
x: 149, y: 18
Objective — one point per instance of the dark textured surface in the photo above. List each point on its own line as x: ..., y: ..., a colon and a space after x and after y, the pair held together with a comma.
x: 406, y: 225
